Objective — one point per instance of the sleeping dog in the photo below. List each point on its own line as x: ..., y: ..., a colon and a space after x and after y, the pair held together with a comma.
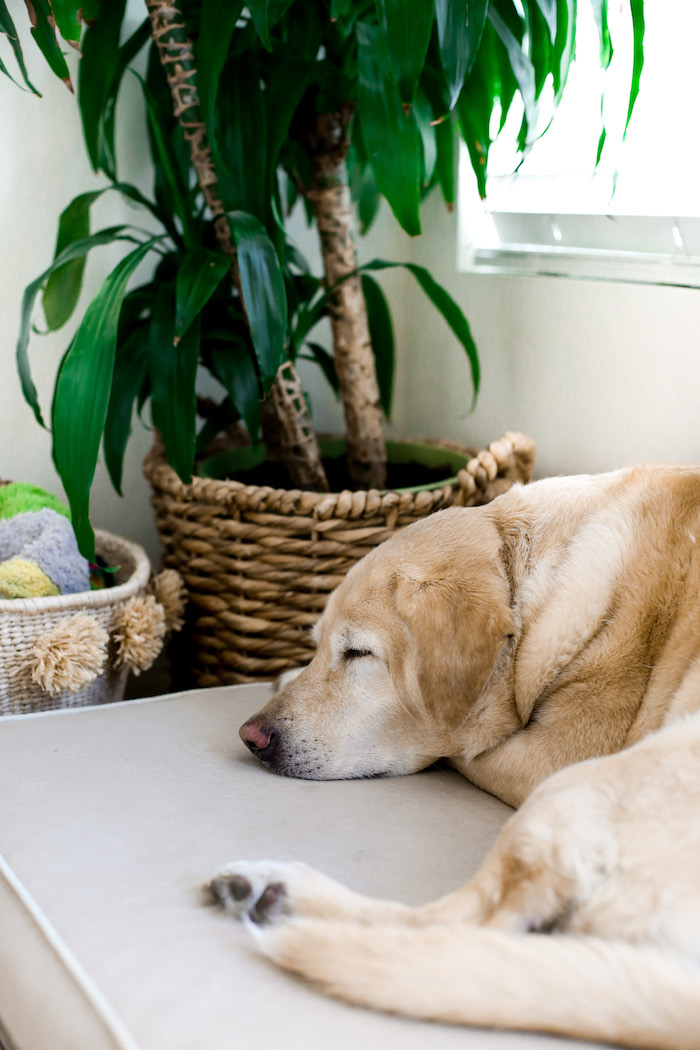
x: 548, y: 646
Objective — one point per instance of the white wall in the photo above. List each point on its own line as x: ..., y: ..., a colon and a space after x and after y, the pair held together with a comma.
x: 599, y: 374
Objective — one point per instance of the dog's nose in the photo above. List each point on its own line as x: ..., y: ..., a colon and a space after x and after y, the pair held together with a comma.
x: 259, y: 736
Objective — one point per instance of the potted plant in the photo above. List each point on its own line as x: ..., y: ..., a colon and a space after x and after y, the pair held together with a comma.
x: 340, y: 103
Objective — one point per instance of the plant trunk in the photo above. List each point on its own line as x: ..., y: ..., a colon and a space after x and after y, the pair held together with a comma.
x: 293, y: 433
x: 352, y: 348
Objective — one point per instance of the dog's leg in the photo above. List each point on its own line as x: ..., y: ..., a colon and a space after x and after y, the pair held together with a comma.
x: 477, y: 957
x: 271, y: 891
x: 582, y: 987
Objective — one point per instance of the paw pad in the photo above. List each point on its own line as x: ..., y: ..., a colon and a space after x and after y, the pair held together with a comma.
x: 255, y: 892
x: 269, y: 903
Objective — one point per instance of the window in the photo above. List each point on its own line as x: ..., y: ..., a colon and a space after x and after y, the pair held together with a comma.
x: 635, y: 217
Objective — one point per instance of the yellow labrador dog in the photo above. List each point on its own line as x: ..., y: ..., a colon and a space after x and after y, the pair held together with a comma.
x: 548, y: 645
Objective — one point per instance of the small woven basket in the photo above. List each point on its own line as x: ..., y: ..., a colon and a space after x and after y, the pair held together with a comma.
x: 25, y: 622
x: 259, y: 563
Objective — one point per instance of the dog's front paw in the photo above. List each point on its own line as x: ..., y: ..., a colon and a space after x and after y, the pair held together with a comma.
x: 258, y: 890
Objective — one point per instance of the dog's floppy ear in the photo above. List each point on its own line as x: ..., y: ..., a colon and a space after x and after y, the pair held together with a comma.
x: 458, y: 632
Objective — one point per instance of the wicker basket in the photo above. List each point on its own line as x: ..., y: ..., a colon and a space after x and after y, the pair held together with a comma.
x: 259, y: 563
x: 23, y: 622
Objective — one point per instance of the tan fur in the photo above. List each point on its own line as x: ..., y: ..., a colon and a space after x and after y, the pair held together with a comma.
x: 548, y: 644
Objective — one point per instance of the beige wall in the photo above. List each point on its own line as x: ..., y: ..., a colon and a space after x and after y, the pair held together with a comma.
x: 599, y: 374
x: 42, y: 167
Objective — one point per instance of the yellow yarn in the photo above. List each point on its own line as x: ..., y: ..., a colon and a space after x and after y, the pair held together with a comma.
x: 20, y: 578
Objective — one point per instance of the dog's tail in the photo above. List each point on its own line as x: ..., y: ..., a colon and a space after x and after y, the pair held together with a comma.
x: 581, y: 987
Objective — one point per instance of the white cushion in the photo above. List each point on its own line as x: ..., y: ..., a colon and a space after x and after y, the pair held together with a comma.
x: 111, y: 819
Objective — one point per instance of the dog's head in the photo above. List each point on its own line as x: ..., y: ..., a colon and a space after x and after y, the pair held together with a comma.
x: 404, y: 649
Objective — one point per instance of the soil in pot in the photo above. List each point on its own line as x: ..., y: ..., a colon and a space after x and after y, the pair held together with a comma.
x: 411, y: 466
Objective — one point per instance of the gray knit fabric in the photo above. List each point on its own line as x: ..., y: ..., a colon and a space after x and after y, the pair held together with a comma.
x: 47, y: 539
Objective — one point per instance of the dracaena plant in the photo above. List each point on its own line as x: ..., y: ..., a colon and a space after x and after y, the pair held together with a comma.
x: 341, y: 103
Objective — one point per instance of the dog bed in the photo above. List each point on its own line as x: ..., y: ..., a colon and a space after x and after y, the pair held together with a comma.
x: 111, y: 819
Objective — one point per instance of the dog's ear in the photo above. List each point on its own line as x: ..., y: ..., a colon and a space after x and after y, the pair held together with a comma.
x: 458, y: 629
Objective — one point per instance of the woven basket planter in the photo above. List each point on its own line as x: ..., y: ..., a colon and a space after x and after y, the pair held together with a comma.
x: 259, y: 563
x: 49, y: 646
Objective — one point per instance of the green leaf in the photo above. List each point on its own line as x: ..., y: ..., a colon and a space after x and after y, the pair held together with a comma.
x: 45, y: 37
x: 7, y: 27
x: 364, y: 190
x: 198, y: 276
x: 233, y: 366
x: 523, y: 71
x: 173, y: 371
x: 406, y: 25
x: 130, y: 369
x: 135, y: 308
x: 390, y: 135
x: 424, y: 119
x: 66, y: 14
x: 564, y: 45
x: 171, y: 191
x: 263, y: 293
x: 601, y: 144
x: 326, y: 363
x: 82, y: 395
x: 460, y: 26
x: 293, y: 257
x: 506, y: 85
x: 475, y: 106
x: 600, y: 14
x: 77, y: 250
x: 259, y: 15
x: 637, y: 7
x: 540, y: 44
x: 548, y: 8
x: 445, y: 304
x: 99, y: 67
x: 125, y: 55
x: 276, y: 10
x: 223, y: 417
x: 217, y: 24
x: 6, y: 72
x: 264, y: 15
x: 239, y: 147
x: 307, y: 317
x: 445, y: 163
x: 381, y: 334
x: 368, y: 199
x: 63, y: 287
x: 286, y: 83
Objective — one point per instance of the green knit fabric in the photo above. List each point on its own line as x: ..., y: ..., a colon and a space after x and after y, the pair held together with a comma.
x: 19, y: 497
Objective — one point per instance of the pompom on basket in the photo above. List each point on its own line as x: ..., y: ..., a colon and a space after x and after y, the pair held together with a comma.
x: 77, y: 649
x: 258, y: 563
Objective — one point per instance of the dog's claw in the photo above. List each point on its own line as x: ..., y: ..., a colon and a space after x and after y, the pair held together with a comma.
x: 268, y: 905
x: 259, y: 894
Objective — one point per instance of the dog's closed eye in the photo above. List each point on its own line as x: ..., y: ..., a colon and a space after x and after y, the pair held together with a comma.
x: 355, y: 654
